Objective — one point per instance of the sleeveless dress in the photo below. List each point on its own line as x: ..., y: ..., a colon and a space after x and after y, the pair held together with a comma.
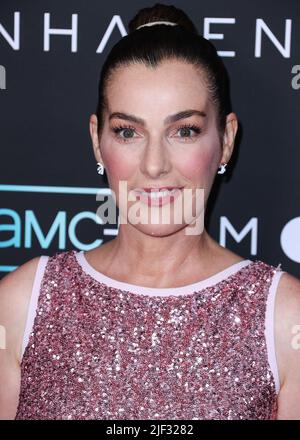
x: 98, y: 348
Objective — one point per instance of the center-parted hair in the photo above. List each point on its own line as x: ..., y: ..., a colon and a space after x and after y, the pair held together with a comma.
x: 151, y: 45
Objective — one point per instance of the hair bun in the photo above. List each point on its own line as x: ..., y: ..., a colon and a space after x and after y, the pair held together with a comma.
x: 160, y: 12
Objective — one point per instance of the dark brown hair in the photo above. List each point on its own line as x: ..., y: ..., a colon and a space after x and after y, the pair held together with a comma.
x: 151, y: 45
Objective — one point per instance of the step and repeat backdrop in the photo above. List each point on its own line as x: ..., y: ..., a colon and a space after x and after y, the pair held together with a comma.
x: 51, y: 53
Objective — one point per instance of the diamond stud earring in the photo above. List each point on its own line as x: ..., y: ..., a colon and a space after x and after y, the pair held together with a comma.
x: 222, y: 168
x: 100, y: 168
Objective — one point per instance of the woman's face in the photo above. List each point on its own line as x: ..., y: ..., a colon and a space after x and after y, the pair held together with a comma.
x: 144, y: 146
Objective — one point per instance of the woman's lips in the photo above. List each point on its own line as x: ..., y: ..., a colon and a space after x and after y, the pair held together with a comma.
x: 162, y: 188
x: 158, y: 200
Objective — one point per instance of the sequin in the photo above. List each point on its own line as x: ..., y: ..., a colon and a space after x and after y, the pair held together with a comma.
x: 97, y: 352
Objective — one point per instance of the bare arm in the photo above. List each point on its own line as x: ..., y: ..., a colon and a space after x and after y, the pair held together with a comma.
x: 287, y: 337
x: 15, y: 293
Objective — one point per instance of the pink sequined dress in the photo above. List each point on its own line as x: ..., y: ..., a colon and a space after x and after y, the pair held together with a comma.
x: 98, y: 348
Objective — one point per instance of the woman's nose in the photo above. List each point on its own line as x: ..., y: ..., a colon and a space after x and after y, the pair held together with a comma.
x: 156, y: 160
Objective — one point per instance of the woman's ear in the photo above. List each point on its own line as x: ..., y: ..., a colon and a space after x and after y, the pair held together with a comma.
x: 95, y: 137
x: 231, y: 128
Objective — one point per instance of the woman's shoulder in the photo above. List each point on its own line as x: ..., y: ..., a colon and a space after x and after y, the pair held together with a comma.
x: 287, y: 336
x: 15, y: 293
x: 16, y: 285
x: 16, y: 289
x: 288, y: 313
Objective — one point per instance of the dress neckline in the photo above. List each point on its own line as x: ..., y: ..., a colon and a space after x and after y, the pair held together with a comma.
x: 159, y: 291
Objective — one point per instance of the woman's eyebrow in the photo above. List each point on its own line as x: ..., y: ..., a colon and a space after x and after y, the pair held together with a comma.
x: 169, y: 119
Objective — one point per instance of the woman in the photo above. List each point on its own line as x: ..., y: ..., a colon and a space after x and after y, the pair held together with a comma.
x: 157, y: 323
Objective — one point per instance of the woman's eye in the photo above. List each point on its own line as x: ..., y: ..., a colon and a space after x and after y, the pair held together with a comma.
x: 127, y: 132
x: 185, y: 131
